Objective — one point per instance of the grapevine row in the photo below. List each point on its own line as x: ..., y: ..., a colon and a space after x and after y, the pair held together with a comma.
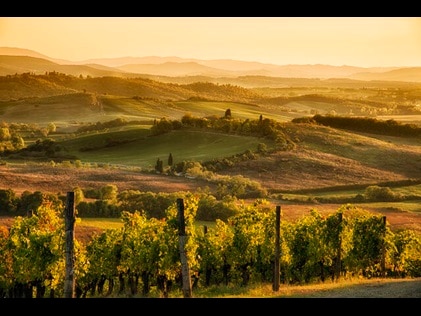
x: 143, y: 257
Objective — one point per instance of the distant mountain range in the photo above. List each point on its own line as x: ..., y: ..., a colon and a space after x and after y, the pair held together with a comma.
x: 19, y: 60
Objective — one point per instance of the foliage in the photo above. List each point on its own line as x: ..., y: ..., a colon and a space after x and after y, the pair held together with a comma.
x: 377, y: 193
x: 209, y: 208
x: 404, y: 254
x: 145, y: 253
x: 8, y: 202
x: 36, y: 244
x: 370, y: 125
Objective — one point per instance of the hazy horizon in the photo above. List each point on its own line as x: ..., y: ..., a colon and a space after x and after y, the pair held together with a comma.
x: 337, y: 41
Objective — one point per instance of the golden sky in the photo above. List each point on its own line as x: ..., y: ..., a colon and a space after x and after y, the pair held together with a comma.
x: 353, y: 41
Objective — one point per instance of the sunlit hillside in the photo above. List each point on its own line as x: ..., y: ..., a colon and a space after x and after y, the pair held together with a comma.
x: 137, y: 148
x: 322, y: 156
x: 10, y: 65
x: 57, y: 97
x: 17, y: 61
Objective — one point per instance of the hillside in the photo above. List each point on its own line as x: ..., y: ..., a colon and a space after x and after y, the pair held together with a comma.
x: 233, y: 139
x: 327, y: 157
x: 175, y: 69
x: 322, y: 157
x: 11, y: 65
x: 15, y: 60
x: 106, y: 98
x: 411, y: 74
x: 55, y: 83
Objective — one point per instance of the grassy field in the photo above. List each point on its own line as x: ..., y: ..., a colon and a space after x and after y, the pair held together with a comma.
x: 101, y: 223
x: 137, y: 148
x: 349, y: 193
x: 238, y: 110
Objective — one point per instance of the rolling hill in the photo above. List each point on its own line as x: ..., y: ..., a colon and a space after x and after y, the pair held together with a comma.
x: 154, y: 65
x: 410, y: 74
x: 175, y: 66
x: 66, y: 99
x: 323, y: 157
x: 176, y: 69
x: 131, y: 97
x: 10, y: 65
x: 76, y: 95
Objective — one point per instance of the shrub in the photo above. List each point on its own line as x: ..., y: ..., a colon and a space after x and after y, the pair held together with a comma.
x: 381, y: 194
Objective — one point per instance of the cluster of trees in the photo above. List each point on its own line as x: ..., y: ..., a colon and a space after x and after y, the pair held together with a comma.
x: 13, y: 205
x: 261, y: 127
x: 364, y: 124
x: 10, y: 138
x: 144, y: 256
x: 100, y: 126
x: 108, y: 202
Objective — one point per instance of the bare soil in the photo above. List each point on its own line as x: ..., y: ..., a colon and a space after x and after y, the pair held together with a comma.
x: 308, y: 169
x: 48, y: 179
x: 377, y: 288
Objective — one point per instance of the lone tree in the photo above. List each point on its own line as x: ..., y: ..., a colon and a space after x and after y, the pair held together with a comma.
x: 159, y: 166
x: 228, y: 113
x: 170, y: 160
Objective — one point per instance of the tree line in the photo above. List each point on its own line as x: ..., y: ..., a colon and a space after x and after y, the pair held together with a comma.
x: 364, y: 124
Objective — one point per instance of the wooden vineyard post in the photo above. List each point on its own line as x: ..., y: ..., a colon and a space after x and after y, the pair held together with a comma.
x: 383, y: 259
x: 338, y: 265
x: 69, y: 222
x: 185, y: 271
x: 276, y: 279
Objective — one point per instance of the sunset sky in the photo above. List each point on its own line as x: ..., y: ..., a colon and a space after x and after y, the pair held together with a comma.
x: 353, y: 41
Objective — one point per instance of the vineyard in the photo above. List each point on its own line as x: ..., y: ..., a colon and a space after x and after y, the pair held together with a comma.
x: 144, y: 257
x: 251, y: 157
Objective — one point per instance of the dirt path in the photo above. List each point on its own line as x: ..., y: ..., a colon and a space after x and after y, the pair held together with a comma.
x: 379, y: 288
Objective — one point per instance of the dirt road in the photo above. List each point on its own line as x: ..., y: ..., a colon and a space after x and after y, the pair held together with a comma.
x: 387, y: 288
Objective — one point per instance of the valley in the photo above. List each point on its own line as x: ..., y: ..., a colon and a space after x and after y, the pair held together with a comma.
x: 102, y: 123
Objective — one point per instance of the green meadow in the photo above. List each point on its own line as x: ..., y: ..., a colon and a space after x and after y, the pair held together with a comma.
x: 136, y: 147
